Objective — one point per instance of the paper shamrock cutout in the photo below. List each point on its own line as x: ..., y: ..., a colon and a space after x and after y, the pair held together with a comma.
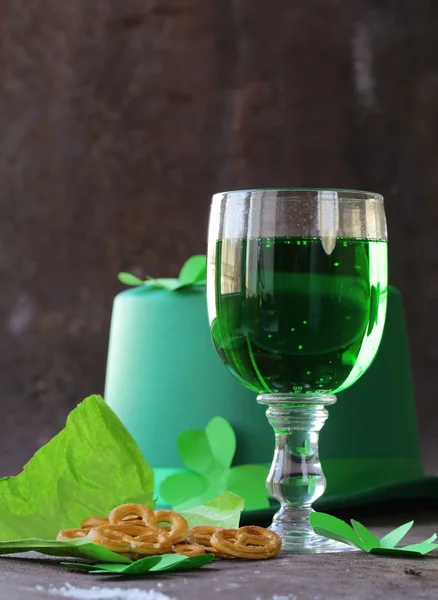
x: 149, y: 564
x: 208, y: 455
x: 362, y: 538
x: 193, y: 273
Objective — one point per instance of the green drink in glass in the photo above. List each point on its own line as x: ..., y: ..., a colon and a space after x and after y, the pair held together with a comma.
x: 297, y: 286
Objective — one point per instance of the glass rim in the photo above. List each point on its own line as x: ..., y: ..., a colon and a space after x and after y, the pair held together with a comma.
x: 360, y: 194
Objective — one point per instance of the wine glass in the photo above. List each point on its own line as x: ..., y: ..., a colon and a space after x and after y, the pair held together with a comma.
x: 297, y: 289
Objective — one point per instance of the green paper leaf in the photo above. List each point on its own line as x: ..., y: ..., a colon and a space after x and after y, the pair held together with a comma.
x: 368, y: 538
x: 143, y: 565
x: 394, y: 537
x: 420, y: 549
x: 130, y: 279
x: 431, y: 539
x: 222, y: 440
x: 194, y: 270
x: 193, y: 273
x: 335, y: 529
x: 195, y: 451
x: 181, y: 487
x: 92, y: 465
x: 79, y: 548
x: 222, y: 511
x: 249, y: 482
x: 165, y: 284
x: 149, y: 564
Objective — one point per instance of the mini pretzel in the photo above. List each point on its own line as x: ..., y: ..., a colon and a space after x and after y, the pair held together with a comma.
x: 250, y: 542
x: 71, y: 534
x: 178, y: 525
x: 118, y: 514
x: 133, y: 520
x: 188, y: 549
x: 201, y: 534
x: 93, y: 522
x: 130, y: 555
x: 125, y: 537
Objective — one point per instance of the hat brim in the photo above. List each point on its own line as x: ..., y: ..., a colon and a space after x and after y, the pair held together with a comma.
x: 415, y: 488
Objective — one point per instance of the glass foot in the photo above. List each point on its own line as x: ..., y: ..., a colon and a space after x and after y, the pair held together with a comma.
x: 311, y: 543
x: 293, y: 526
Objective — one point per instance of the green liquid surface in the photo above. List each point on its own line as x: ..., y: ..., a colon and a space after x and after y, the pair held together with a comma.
x: 287, y: 316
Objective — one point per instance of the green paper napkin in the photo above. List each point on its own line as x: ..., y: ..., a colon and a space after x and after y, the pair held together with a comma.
x: 150, y: 564
x: 92, y: 465
x: 209, y: 455
x: 362, y: 538
x: 222, y: 511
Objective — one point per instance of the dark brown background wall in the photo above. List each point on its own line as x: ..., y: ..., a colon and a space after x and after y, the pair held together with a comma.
x: 119, y: 119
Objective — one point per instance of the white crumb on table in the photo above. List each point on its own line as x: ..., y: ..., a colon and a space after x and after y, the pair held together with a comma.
x: 99, y: 593
x: 277, y: 597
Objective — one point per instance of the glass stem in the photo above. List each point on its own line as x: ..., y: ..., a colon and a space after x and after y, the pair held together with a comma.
x: 296, y: 478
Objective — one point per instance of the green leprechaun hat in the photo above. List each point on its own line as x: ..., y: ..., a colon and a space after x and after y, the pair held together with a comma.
x: 203, y: 431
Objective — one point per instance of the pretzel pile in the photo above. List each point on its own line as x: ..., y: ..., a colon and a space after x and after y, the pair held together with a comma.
x: 135, y: 531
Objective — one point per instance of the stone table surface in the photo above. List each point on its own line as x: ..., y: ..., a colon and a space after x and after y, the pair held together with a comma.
x: 352, y: 576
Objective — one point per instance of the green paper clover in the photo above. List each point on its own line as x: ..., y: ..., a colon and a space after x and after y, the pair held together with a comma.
x: 208, y: 455
x: 193, y: 273
x: 360, y: 537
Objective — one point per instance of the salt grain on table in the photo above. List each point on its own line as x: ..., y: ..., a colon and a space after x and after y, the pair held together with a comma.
x: 98, y: 593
